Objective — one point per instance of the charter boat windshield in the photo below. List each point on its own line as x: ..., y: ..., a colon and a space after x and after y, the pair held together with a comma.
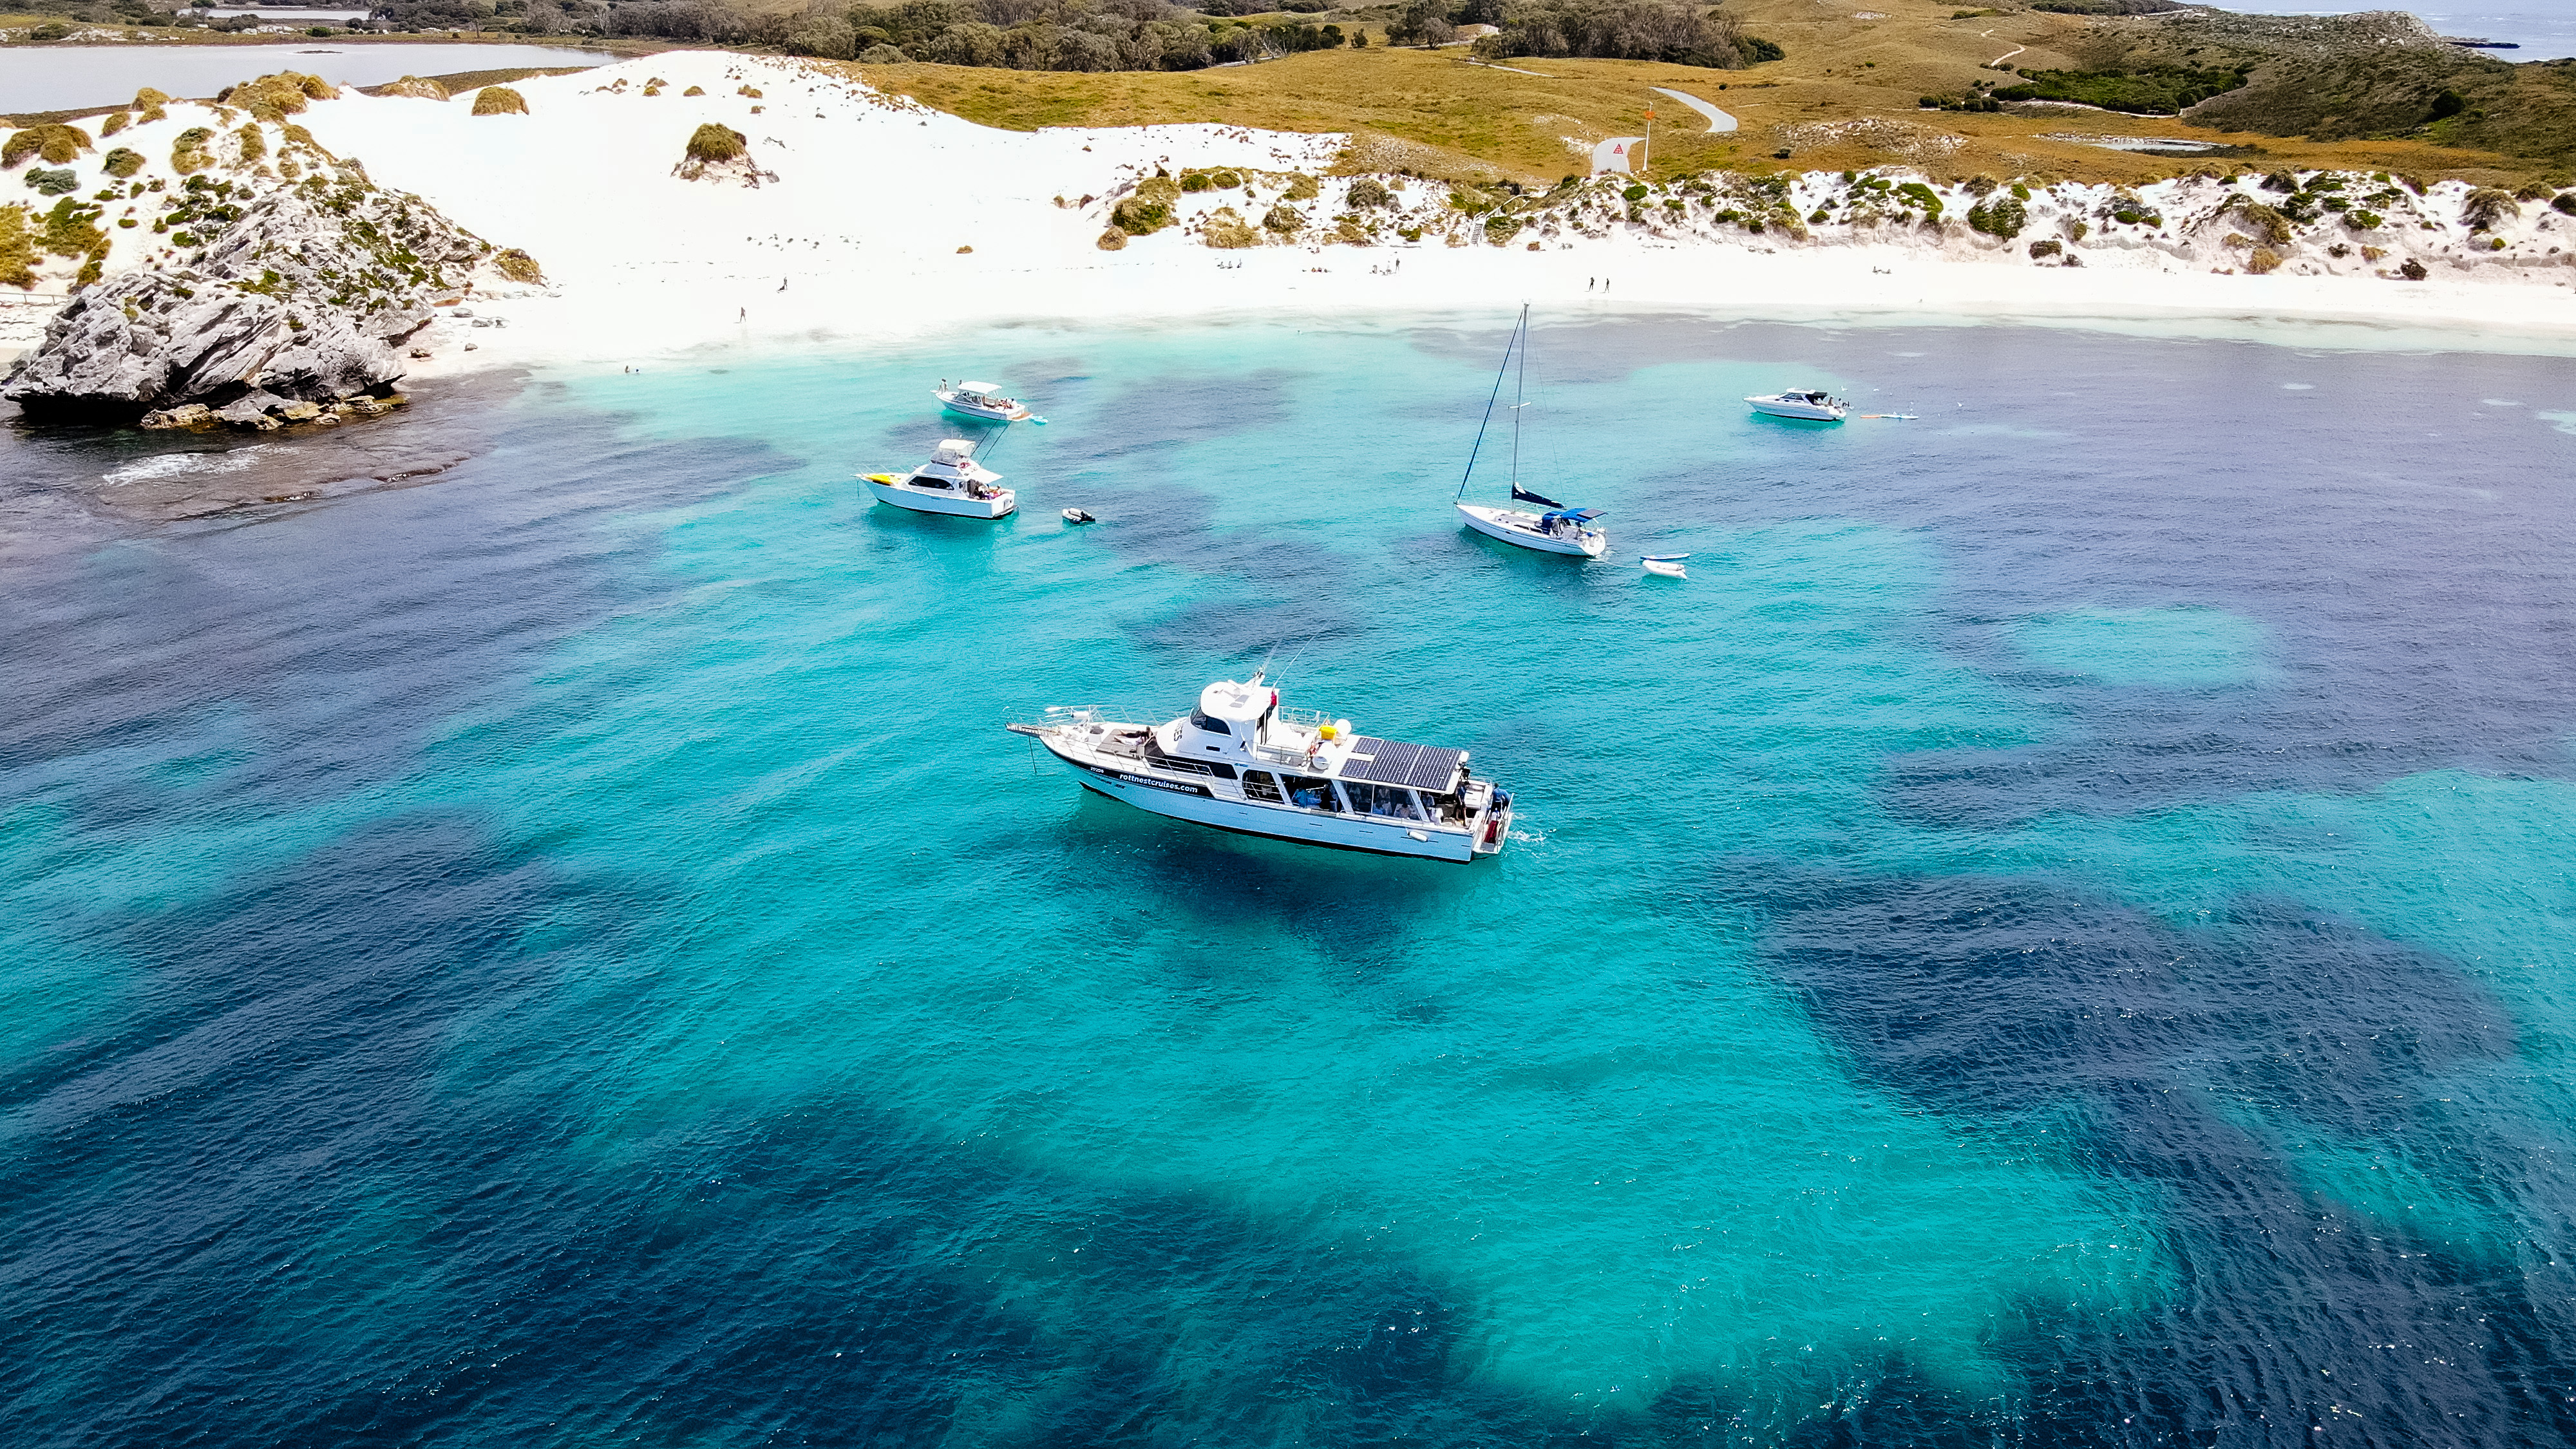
x: 1241, y: 761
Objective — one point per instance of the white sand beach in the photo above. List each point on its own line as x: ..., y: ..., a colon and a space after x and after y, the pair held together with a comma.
x: 888, y: 221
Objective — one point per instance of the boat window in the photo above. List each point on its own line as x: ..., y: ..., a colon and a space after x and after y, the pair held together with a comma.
x: 1443, y: 807
x: 1257, y: 785
x: 1391, y: 801
x: 1209, y: 722
x: 1220, y: 769
x: 1309, y: 792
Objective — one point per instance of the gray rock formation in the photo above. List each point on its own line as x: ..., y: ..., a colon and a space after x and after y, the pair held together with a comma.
x: 303, y: 292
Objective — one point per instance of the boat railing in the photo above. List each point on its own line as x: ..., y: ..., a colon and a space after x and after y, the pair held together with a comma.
x: 1307, y: 717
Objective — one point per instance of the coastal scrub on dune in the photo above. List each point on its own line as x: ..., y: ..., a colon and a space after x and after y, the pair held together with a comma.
x: 499, y: 101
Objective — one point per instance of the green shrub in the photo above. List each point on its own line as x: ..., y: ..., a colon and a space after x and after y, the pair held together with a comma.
x: 1369, y: 191
x: 694, y: 91
x: 2261, y: 260
x: 1226, y: 232
x: 2363, y: 220
x: 53, y: 183
x: 2484, y: 207
x: 275, y: 97
x: 1633, y: 193
x: 57, y: 144
x: 1301, y: 187
x: 2274, y: 226
x: 712, y: 143
x: 253, y: 144
x: 17, y: 248
x: 121, y: 163
x: 188, y: 153
x: 2040, y: 249
x: 499, y: 101
x: 2001, y: 217
x: 1283, y: 219
x: 68, y: 230
x: 518, y: 266
x: 2565, y: 204
x: 1224, y: 180
x: 1500, y: 229
x: 417, y: 88
x: 1923, y: 196
x: 2411, y: 269
x: 1137, y: 216
x: 114, y: 122
x: 1195, y: 181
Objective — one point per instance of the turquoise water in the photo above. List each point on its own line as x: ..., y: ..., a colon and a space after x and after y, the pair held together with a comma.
x: 2056, y: 931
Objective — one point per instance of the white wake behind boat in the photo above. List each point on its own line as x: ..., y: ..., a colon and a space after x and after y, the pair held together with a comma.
x: 1558, y: 530
x: 1550, y: 527
x: 952, y: 482
x: 1240, y: 762
x: 1814, y: 407
x: 984, y: 400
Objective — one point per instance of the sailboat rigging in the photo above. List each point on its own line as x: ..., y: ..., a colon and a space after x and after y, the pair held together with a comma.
x: 1559, y: 529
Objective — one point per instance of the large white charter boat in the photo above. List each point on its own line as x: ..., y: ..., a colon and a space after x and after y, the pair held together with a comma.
x: 1241, y: 762
x: 952, y: 482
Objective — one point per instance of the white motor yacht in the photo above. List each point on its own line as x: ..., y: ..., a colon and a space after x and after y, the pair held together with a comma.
x: 952, y: 482
x: 984, y: 400
x: 1815, y: 407
x: 1240, y: 762
x: 1550, y: 527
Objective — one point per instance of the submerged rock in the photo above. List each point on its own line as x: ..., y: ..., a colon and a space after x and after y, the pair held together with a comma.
x: 304, y: 292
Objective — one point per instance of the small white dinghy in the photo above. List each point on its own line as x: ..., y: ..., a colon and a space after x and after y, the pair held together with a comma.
x: 1814, y: 407
x: 983, y: 400
x: 952, y: 482
x: 1076, y: 515
x: 1668, y: 565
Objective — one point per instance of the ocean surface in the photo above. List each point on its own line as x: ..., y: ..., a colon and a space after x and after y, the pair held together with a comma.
x: 2061, y: 930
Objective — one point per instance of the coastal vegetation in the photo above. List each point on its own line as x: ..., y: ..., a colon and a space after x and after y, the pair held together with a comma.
x: 499, y: 101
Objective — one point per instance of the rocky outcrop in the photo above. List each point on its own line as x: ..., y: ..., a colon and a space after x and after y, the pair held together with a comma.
x: 301, y: 292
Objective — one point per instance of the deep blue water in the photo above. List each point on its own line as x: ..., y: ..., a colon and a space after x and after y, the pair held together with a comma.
x: 2058, y: 933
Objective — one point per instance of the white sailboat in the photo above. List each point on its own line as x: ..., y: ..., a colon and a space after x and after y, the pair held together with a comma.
x: 1549, y: 526
x: 952, y: 482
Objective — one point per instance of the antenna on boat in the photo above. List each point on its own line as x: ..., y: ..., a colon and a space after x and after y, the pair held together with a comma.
x: 1491, y: 399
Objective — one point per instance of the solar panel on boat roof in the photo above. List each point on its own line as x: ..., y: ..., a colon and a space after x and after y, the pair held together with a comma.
x: 1393, y: 762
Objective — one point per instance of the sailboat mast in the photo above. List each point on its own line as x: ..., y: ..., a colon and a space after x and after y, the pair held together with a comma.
x: 1490, y: 399
x: 1520, y: 383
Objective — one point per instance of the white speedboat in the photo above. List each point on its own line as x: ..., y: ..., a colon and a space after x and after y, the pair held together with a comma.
x: 1815, y: 407
x: 952, y: 482
x: 1558, y: 530
x: 1550, y: 527
x: 983, y: 400
x: 1240, y: 762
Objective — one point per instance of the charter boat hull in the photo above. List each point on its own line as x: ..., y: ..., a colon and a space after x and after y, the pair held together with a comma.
x: 1516, y: 526
x: 951, y: 502
x: 1199, y: 804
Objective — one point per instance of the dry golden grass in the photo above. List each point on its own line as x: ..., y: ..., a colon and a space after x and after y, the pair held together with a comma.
x: 1461, y: 118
